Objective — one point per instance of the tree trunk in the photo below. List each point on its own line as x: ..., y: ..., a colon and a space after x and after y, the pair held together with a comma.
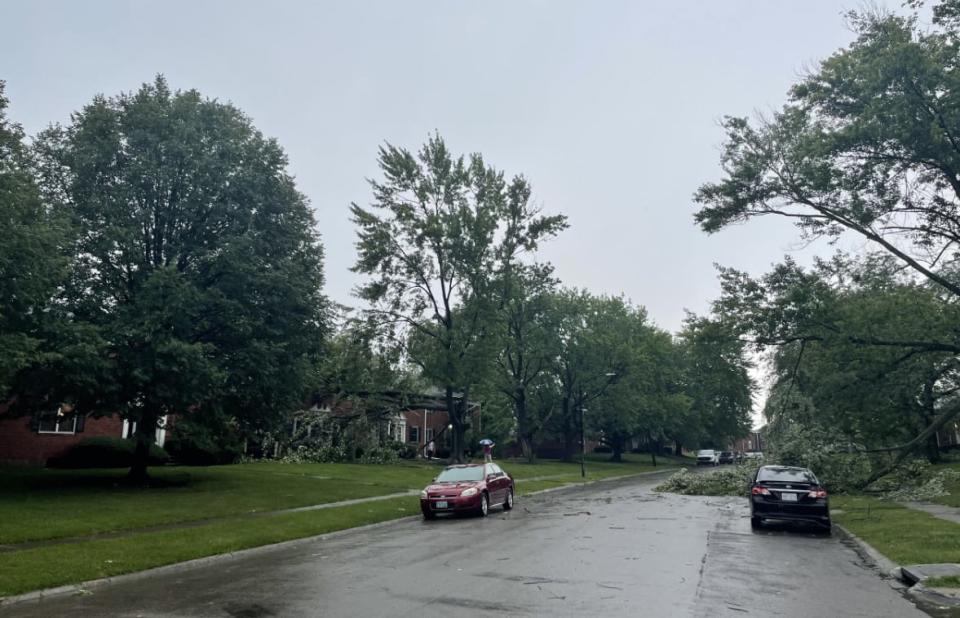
x: 145, y: 435
x: 677, y: 448
x: 526, y: 447
x: 523, y: 424
x: 569, y: 431
x: 453, y: 412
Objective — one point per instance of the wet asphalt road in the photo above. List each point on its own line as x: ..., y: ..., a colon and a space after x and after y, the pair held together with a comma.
x: 611, y: 549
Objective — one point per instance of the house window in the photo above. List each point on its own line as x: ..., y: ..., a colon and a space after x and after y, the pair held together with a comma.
x: 57, y: 423
x: 414, y: 434
x: 429, y: 433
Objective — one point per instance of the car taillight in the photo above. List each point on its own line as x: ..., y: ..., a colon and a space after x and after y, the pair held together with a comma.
x: 817, y: 493
x: 757, y: 490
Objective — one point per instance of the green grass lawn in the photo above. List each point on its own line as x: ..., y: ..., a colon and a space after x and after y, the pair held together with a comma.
x: 58, y: 565
x: 50, y: 504
x: 904, y: 535
x: 47, y: 504
x: 953, y: 581
x: 53, y: 504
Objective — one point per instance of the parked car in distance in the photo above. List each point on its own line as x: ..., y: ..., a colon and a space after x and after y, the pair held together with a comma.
x: 471, y: 488
x: 708, y: 457
x: 787, y: 493
x: 726, y: 457
x: 752, y: 455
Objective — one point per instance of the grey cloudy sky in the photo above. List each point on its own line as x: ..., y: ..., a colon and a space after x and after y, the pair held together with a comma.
x: 609, y: 108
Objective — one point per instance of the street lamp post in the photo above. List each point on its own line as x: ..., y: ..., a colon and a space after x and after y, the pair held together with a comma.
x: 610, y: 375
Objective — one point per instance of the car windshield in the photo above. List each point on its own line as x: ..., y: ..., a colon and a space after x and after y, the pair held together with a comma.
x: 786, y: 475
x: 453, y: 475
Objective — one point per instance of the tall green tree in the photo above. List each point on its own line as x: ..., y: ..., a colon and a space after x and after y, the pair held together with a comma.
x: 869, y: 145
x: 528, y: 351
x: 593, y: 335
x: 438, y: 232
x: 34, y: 255
x: 198, y: 262
x: 872, y: 395
x: 717, y: 381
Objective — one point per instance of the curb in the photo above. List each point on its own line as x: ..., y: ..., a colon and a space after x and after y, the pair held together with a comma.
x: 86, y: 586
x: 881, y: 562
x: 915, y: 590
x: 594, y: 482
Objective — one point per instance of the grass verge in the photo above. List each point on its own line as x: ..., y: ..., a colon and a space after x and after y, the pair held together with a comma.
x: 953, y: 581
x: 59, y: 565
x: 93, y: 501
x: 75, y: 503
x: 904, y: 535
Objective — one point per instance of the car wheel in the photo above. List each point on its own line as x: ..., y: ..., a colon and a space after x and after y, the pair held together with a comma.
x: 427, y: 514
x: 754, y: 522
x: 508, y: 503
x: 484, y: 505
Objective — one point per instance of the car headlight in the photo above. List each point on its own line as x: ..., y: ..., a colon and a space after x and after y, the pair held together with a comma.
x: 423, y: 494
x: 466, y: 493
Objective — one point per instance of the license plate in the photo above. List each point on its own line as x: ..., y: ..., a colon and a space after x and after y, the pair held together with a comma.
x: 443, y: 504
x: 788, y: 497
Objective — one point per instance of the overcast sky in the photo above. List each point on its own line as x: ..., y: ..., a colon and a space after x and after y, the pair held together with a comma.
x: 609, y: 108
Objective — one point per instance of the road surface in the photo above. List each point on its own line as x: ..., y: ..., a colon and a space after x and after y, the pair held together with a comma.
x: 610, y: 549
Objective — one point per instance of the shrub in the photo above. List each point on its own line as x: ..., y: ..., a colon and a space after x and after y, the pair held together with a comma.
x: 380, y: 455
x: 321, y: 454
x: 602, y: 448
x: 106, y: 453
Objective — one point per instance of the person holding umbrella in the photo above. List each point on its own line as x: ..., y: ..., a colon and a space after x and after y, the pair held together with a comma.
x: 487, y: 445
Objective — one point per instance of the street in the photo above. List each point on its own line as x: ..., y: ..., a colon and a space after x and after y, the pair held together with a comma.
x: 610, y: 549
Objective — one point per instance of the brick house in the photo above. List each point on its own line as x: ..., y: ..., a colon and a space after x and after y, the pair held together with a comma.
x: 33, y: 440
x: 421, y: 418
x: 752, y: 443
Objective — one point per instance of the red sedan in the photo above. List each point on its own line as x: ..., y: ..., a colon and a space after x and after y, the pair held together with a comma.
x: 467, y: 488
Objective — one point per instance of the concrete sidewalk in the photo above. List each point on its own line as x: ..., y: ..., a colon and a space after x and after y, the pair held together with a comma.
x: 940, y: 511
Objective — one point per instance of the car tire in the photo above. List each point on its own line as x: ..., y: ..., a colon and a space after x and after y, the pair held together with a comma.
x: 508, y: 503
x: 484, y: 505
x: 755, y: 522
x: 429, y: 514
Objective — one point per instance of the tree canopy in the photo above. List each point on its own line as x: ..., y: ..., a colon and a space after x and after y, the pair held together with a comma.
x: 440, y: 230
x: 197, y: 267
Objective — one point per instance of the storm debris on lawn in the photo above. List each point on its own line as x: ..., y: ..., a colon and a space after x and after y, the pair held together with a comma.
x: 731, y: 481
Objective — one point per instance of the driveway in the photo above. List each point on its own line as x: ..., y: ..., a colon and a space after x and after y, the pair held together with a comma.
x: 610, y: 549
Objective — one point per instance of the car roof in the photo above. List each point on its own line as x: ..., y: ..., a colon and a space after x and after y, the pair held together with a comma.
x: 786, y: 468
x: 470, y: 465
